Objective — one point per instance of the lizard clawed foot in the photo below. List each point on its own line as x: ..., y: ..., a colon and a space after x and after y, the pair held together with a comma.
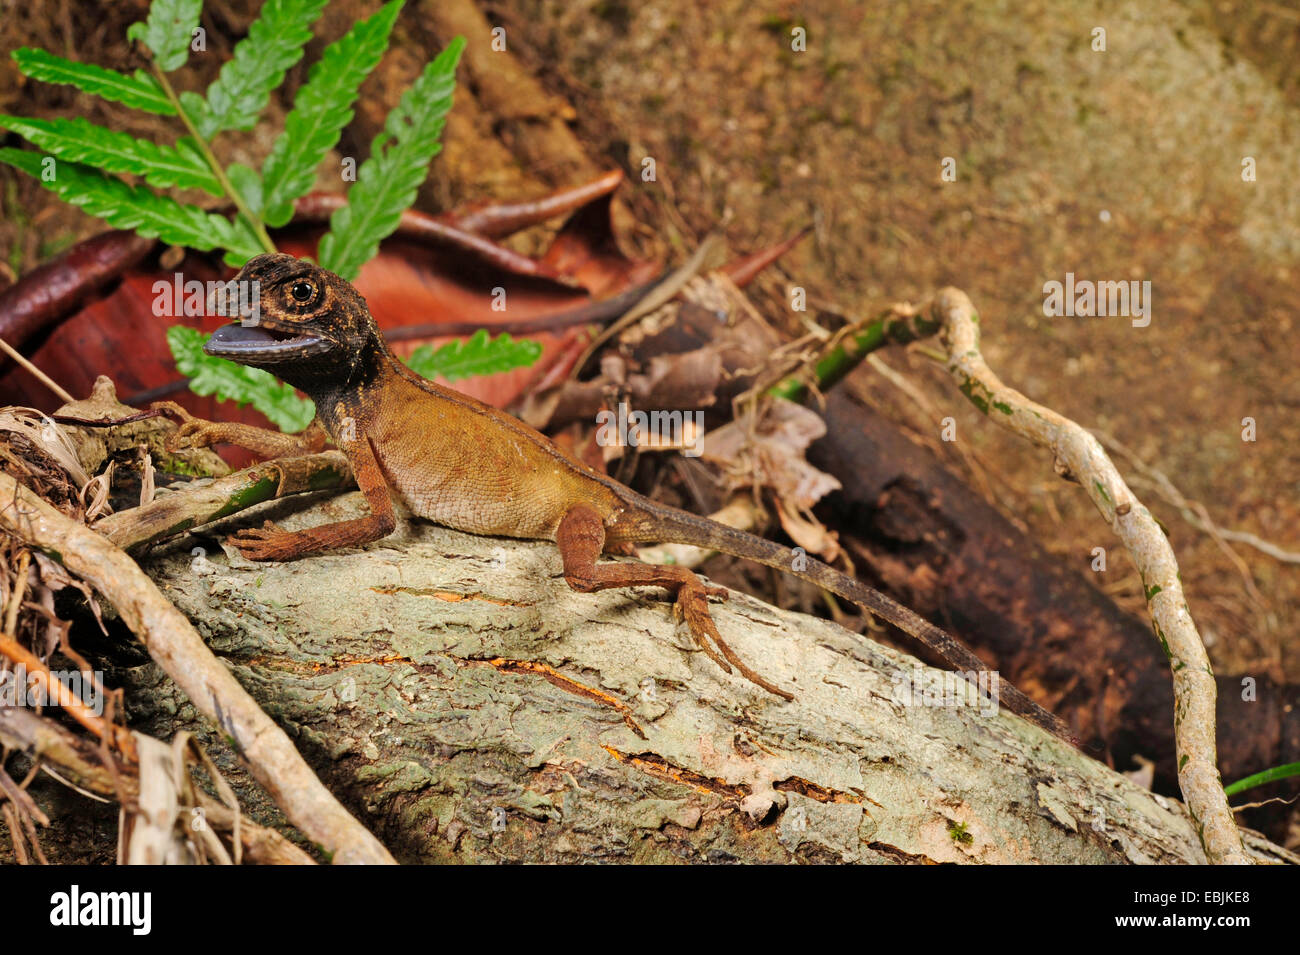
x: 193, y: 432
x: 268, y: 542
x: 693, y: 606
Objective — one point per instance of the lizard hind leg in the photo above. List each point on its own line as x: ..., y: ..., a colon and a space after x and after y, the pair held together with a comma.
x: 581, y: 538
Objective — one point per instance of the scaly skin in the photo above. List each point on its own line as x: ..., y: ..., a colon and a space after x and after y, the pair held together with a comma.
x: 469, y: 466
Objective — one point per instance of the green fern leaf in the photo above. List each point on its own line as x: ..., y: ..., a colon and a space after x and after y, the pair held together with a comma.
x: 322, y: 107
x: 240, y: 92
x: 248, y: 184
x: 113, y: 151
x: 478, y: 355
x: 135, y: 207
x: 168, y: 31
x: 388, y: 181
x: 231, y: 382
x: 140, y: 91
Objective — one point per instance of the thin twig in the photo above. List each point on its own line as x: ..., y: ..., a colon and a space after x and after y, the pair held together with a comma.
x: 49, y: 744
x: 1080, y: 457
x: 57, y: 692
x: 661, y: 295
x: 19, y: 591
x: 1194, y: 512
x: 43, y: 378
x: 900, y: 324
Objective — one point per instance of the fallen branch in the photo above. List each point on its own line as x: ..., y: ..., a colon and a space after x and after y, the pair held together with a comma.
x: 425, y: 672
x: 199, y: 503
x: 176, y: 646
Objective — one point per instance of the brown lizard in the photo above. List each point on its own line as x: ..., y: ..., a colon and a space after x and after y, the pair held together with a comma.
x: 469, y: 466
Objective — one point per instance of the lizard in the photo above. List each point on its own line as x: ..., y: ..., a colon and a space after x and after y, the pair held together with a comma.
x: 467, y: 465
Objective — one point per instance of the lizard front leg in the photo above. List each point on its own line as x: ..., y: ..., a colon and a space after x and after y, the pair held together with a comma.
x: 272, y: 543
x: 581, y: 538
x: 197, y: 433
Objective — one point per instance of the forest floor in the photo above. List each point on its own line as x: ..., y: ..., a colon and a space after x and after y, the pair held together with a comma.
x: 1117, y: 165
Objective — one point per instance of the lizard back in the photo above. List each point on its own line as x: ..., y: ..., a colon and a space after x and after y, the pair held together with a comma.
x: 488, y: 473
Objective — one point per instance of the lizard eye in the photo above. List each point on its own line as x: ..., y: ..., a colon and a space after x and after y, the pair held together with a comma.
x: 302, y: 291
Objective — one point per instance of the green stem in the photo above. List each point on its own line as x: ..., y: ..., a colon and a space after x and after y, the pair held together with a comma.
x: 254, y: 222
x: 1259, y: 779
x: 853, y: 348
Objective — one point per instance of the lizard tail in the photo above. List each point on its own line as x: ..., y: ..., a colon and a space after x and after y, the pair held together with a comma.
x: 687, y: 528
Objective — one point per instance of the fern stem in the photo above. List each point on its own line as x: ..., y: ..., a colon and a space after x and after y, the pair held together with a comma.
x: 259, y: 229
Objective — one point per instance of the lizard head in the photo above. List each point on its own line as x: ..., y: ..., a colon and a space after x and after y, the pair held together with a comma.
x: 309, y: 324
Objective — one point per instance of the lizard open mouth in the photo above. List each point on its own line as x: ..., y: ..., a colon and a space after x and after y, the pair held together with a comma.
x: 241, y: 342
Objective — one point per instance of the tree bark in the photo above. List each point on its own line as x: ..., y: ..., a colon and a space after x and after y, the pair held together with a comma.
x: 468, y: 705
